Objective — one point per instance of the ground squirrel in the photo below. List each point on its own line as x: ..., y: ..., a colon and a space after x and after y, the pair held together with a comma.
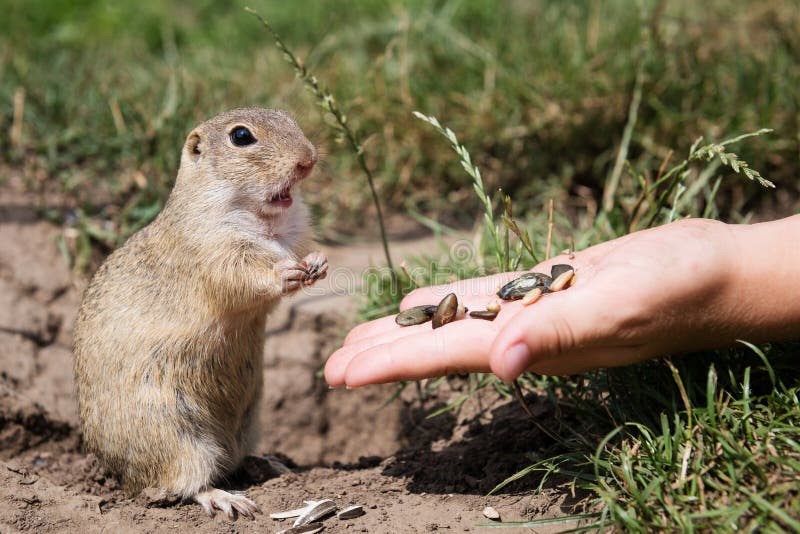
x: 170, y: 333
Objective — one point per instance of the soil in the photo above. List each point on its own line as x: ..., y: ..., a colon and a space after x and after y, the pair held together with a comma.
x: 410, y: 473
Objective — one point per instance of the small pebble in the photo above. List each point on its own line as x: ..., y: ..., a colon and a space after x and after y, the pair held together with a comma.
x: 493, y: 306
x: 491, y: 513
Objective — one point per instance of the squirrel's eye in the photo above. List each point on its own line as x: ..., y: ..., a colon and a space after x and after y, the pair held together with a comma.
x: 241, y: 136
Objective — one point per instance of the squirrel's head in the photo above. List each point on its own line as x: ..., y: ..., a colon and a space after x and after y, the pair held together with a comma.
x: 259, y: 155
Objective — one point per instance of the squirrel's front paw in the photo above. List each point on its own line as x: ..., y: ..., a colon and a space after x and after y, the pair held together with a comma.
x: 295, y: 275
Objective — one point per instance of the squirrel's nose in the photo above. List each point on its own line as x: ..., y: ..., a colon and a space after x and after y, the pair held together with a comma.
x: 306, y: 160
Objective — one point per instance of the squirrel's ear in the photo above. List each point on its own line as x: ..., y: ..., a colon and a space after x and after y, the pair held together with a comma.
x: 192, y: 148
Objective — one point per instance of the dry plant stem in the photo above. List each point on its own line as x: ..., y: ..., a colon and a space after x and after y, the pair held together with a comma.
x: 477, y: 181
x: 328, y: 103
x: 19, y: 113
x: 530, y: 299
x: 549, y: 231
x: 521, y: 399
x: 622, y: 155
x: 636, y: 212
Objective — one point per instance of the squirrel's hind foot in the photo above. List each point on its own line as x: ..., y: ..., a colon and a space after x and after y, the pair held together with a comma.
x: 231, y: 503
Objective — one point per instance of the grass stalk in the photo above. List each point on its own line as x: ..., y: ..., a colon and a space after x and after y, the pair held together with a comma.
x: 477, y: 181
x: 328, y: 104
x: 609, y: 194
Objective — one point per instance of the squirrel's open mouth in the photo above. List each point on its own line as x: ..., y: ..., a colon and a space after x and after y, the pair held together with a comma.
x: 283, y: 199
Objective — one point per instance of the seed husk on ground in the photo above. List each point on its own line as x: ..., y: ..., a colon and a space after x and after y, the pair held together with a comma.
x: 491, y: 513
x: 320, y: 510
x: 297, y: 512
x: 351, y: 512
x: 310, y: 528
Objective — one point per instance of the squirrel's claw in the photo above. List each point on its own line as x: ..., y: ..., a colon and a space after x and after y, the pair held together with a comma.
x: 295, y: 275
x: 232, y: 504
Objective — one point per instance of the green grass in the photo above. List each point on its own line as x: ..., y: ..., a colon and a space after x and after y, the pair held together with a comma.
x: 663, y: 445
x: 539, y: 90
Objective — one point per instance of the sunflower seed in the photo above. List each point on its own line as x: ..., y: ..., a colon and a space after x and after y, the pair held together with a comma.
x: 309, y: 528
x: 350, y: 512
x: 491, y: 513
x: 297, y: 512
x: 320, y: 510
x: 483, y: 314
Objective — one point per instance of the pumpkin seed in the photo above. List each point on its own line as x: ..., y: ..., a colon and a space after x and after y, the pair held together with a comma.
x: 415, y: 315
x: 448, y: 310
x: 517, y: 288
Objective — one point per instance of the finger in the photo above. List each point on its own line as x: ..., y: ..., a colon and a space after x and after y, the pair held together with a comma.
x: 455, y: 348
x: 337, y: 363
x: 582, y: 360
x: 475, y: 291
x: 556, y: 325
x: 372, y: 328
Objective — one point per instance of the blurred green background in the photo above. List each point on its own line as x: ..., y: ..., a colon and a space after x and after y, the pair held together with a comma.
x: 539, y: 91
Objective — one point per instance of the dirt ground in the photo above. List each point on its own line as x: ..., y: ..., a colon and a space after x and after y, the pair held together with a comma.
x: 409, y: 473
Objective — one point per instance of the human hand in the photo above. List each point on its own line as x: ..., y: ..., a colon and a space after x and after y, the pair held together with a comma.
x: 646, y: 294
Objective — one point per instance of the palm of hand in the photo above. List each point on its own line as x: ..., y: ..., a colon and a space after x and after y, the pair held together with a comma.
x: 632, y: 298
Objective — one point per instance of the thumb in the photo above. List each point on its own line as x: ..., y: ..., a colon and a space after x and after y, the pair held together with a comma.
x: 554, y: 326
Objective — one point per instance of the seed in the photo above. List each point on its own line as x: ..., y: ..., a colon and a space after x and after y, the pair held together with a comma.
x: 532, y: 296
x: 350, y: 512
x: 319, y: 511
x: 562, y: 281
x: 519, y: 287
x: 297, y: 512
x: 493, y: 306
x: 558, y: 270
x: 310, y: 528
x: 415, y: 315
x: 488, y: 315
x: 447, y: 311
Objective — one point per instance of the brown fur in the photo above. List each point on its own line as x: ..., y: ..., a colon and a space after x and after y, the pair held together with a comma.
x: 169, y: 337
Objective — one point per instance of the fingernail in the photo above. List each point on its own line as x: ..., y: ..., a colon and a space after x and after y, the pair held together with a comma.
x: 516, y: 360
x: 352, y: 387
